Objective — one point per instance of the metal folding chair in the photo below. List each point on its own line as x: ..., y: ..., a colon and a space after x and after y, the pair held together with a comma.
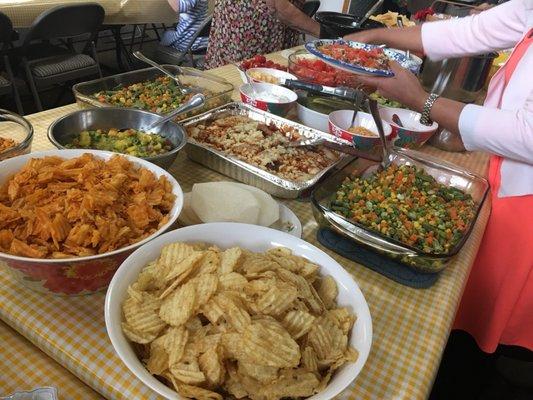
x: 8, y: 85
x: 48, y: 53
x: 169, y: 55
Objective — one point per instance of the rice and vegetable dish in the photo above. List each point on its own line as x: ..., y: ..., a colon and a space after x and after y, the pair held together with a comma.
x: 407, y: 204
x: 126, y: 141
x: 160, y: 95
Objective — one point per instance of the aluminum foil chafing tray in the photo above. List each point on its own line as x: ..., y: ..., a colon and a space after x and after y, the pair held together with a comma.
x: 249, y: 174
x: 220, y: 89
x: 444, y: 173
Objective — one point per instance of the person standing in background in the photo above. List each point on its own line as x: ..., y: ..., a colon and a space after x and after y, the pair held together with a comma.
x: 244, y: 28
x: 191, y: 14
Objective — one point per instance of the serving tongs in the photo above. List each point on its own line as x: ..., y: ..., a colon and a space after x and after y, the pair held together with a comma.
x: 346, y: 93
x: 141, y: 57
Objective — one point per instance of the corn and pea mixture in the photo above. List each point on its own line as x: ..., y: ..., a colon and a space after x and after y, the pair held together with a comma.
x: 126, y: 141
x: 408, y: 205
x: 160, y: 95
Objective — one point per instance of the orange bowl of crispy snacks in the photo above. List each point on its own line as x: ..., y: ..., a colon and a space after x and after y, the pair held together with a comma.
x: 230, y: 310
x: 16, y: 135
x: 68, y: 218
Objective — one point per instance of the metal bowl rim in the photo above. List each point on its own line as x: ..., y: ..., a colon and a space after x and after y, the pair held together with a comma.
x: 175, y: 150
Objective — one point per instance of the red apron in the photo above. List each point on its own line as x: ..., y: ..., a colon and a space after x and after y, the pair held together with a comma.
x: 497, y: 304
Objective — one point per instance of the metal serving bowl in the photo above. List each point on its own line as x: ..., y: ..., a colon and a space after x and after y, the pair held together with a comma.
x: 65, y: 129
x: 13, y: 126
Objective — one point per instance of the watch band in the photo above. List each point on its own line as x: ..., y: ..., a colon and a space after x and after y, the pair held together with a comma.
x: 426, y: 110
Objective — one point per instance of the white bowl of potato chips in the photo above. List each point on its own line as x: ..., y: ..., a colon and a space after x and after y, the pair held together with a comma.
x: 221, y: 309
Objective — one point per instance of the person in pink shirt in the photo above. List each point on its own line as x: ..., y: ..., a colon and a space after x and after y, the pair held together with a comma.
x: 497, y: 305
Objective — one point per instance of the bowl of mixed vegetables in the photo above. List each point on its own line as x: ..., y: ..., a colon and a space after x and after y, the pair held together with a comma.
x: 148, y: 89
x: 120, y: 130
x: 419, y: 210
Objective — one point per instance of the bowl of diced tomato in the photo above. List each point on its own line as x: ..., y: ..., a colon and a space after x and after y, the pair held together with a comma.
x: 311, y: 69
x: 258, y: 61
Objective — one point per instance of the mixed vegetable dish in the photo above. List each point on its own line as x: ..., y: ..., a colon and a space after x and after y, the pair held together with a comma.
x: 407, y: 204
x: 160, y: 95
x: 126, y: 141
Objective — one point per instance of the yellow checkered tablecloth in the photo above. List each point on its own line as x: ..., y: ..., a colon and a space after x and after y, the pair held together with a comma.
x: 24, y: 367
x: 411, y: 326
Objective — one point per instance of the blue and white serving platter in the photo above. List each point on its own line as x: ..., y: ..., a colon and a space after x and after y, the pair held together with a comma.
x: 413, y: 63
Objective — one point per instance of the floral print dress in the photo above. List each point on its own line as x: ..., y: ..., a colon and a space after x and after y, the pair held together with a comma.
x: 244, y: 28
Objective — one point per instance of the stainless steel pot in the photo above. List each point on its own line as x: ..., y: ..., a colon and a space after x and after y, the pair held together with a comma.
x: 458, y: 78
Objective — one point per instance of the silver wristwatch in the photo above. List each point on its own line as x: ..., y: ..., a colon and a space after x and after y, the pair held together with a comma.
x: 424, y: 119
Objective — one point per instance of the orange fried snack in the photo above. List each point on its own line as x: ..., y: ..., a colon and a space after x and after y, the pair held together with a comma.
x: 58, y: 208
x: 6, y: 144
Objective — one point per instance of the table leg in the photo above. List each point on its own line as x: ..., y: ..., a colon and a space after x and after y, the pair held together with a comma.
x: 120, y: 48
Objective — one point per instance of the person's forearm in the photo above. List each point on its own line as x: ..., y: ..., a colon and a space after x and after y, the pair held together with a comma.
x: 445, y: 112
x: 293, y: 17
x: 174, y: 4
x: 406, y: 38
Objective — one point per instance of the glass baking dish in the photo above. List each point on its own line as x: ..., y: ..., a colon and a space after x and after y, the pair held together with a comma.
x: 444, y: 173
x: 220, y: 89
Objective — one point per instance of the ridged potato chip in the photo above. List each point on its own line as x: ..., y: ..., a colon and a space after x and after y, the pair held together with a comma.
x: 327, y: 339
x: 206, y: 286
x: 235, y: 315
x: 230, y: 259
x: 233, y: 280
x: 157, y: 362
x: 343, y: 318
x: 215, y: 324
x: 328, y: 291
x: 211, y: 365
x: 276, y: 300
x: 137, y: 336
x: 305, y: 290
x: 296, y: 264
x: 143, y: 316
x: 212, y: 311
x: 266, y: 342
x: 309, y: 359
x: 231, y: 343
x: 234, y: 384
x: 187, y: 373
x: 183, y: 266
x: 262, y: 373
x: 195, y: 392
x: 209, y: 264
x: 174, y: 344
x: 291, y: 383
x: 177, y: 308
x: 207, y: 342
x: 298, y: 323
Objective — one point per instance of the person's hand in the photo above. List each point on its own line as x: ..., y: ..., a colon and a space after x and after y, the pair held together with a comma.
x: 367, y: 36
x: 480, y: 8
x: 403, y: 87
